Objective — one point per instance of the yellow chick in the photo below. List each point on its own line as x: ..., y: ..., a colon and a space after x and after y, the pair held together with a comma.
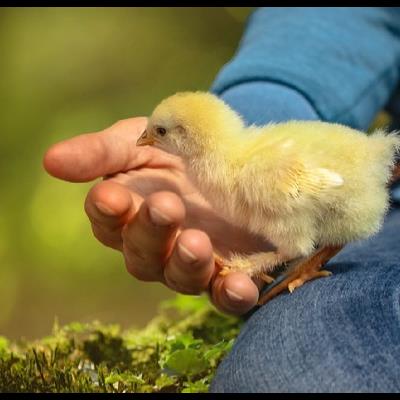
x: 307, y: 187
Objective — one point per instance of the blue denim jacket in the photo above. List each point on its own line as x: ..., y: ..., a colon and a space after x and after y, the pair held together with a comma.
x: 337, y: 64
x: 344, y: 60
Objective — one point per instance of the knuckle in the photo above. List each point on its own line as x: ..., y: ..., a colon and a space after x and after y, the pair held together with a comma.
x: 105, y: 238
x: 179, y: 287
x: 132, y: 249
x: 137, y: 264
x: 138, y: 273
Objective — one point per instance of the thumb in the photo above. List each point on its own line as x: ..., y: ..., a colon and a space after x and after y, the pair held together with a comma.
x: 92, y: 155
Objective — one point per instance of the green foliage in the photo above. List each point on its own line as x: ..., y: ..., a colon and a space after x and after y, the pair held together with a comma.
x: 178, y: 351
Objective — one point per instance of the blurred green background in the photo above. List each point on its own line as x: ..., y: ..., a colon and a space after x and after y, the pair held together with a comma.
x: 66, y: 71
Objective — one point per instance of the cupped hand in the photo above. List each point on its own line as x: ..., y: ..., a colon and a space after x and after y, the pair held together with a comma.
x: 147, y: 208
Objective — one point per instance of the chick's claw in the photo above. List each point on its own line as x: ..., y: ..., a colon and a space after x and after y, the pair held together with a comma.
x: 270, y: 294
x: 266, y: 278
x: 219, y: 260
x: 221, y: 263
x: 307, y: 277
x: 303, y: 272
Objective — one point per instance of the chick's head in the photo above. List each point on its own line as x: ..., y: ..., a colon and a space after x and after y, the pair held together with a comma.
x: 188, y: 124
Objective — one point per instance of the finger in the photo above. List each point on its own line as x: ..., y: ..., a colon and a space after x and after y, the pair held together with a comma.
x: 149, y: 237
x: 234, y: 293
x: 191, y: 265
x: 109, y: 207
x: 92, y: 155
x: 88, y: 156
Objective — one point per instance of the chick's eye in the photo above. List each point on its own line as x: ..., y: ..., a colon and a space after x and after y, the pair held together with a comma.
x: 161, y: 131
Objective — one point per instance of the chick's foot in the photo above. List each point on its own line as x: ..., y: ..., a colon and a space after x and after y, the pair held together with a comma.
x: 303, y: 272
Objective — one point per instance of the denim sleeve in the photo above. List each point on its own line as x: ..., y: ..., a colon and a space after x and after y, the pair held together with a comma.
x: 345, y: 61
x: 262, y: 102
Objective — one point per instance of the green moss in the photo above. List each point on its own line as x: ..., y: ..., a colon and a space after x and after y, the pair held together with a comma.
x: 178, y: 351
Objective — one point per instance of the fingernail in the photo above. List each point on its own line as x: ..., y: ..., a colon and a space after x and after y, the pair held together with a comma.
x: 233, y: 296
x: 158, y: 217
x: 105, y: 209
x: 185, y: 254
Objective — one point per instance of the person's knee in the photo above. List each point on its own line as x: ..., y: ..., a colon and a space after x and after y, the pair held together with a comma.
x: 322, y: 338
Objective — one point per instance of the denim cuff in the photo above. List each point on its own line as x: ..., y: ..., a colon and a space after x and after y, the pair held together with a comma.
x: 262, y: 102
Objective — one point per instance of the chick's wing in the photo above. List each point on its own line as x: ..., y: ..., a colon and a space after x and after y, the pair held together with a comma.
x: 299, y: 180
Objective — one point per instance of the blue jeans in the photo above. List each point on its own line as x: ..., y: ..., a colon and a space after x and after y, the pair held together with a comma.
x: 335, y: 334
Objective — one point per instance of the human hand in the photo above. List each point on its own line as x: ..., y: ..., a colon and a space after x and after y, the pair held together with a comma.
x: 147, y: 208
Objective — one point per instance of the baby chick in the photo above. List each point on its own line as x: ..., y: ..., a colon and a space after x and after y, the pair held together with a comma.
x: 307, y: 187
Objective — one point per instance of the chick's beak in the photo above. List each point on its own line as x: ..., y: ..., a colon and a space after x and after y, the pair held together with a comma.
x: 145, y: 139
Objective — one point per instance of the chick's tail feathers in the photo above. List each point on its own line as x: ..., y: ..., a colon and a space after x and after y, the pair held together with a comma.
x: 387, y: 145
x: 387, y: 152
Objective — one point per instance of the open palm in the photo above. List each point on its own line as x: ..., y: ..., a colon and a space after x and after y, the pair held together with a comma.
x: 147, y: 208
